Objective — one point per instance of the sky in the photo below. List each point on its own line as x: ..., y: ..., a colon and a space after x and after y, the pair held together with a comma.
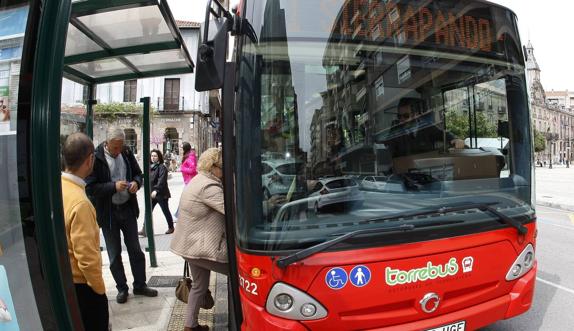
x: 544, y: 23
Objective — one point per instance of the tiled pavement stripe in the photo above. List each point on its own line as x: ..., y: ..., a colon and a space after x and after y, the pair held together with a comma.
x: 221, y: 312
x: 206, y: 317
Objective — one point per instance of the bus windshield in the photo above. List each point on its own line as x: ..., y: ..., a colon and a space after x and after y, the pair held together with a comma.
x: 350, y: 111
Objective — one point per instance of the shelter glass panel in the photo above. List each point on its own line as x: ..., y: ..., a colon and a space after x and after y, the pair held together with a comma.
x: 102, y: 68
x: 78, y: 43
x: 128, y: 27
x: 172, y: 59
x: 18, y: 306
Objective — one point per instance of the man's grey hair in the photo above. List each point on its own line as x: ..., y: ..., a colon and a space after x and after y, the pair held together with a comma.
x: 115, y: 134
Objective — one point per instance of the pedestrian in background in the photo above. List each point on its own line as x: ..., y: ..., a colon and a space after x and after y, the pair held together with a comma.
x: 189, y: 163
x: 112, y: 187
x: 83, y: 233
x: 159, y: 189
x: 200, y: 234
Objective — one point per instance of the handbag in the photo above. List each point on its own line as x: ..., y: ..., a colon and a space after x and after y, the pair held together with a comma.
x: 184, y: 285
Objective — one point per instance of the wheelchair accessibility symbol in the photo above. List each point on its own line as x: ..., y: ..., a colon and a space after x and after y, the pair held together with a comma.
x: 336, y: 278
x: 360, y: 276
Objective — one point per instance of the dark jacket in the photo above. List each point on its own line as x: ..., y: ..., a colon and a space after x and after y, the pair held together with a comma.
x: 158, y: 181
x: 417, y: 140
x: 100, y: 188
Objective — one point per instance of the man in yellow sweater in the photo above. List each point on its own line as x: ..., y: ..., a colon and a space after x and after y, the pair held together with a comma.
x: 83, y: 233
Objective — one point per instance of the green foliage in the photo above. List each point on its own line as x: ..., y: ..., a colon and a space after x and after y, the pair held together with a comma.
x: 457, y: 124
x: 539, y: 141
x: 118, y: 107
x: 113, y: 111
x: 486, y: 128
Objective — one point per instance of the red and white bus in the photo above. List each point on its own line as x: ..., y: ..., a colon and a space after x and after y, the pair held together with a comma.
x: 428, y: 99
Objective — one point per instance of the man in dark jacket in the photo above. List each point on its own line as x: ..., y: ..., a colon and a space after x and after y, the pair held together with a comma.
x: 112, y: 187
x: 412, y: 134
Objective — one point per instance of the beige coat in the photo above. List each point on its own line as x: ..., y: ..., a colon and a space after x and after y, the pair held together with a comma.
x: 200, y: 230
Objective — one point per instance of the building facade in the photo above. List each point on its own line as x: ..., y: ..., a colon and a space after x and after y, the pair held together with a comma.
x: 180, y: 114
x: 11, y: 39
x: 552, y: 115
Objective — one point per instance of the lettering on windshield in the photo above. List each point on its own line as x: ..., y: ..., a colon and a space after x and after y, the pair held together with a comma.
x: 363, y: 19
x: 400, y: 277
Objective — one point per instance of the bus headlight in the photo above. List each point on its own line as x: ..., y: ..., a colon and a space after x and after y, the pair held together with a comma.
x: 522, y: 264
x: 291, y: 303
x: 308, y: 310
x: 283, y: 302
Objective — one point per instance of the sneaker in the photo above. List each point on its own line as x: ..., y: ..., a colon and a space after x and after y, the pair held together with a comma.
x: 169, y: 231
x: 145, y: 291
x: 142, y: 233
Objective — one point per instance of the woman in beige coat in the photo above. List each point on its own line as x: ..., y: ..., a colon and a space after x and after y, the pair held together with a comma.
x: 200, y: 233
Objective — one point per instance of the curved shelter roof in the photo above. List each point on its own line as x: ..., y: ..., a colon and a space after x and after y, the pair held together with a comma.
x: 116, y: 40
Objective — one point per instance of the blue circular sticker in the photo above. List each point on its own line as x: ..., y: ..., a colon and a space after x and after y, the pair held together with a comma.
x: 336, y: 278
x: 360, y: 276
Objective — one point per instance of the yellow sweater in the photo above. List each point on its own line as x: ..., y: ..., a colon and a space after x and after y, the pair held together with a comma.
x: 83, y: 235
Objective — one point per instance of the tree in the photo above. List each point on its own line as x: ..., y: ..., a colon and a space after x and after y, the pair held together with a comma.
x: 457, y: 124
x: 539, y: 141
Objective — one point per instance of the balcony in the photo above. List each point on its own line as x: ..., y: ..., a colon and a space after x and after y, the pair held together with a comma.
x: 197, y: 102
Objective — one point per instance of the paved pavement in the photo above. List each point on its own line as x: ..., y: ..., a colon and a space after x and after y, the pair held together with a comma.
x: 162, y: 313
x: 555, y: 187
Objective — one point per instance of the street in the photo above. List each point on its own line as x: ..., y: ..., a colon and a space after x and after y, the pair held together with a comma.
x: 554, y: 294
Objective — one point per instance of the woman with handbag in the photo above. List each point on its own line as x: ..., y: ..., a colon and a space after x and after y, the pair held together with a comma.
x: 200, y: 234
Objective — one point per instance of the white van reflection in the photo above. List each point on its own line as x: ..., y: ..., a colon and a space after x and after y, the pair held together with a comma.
x: 335, y: 192
x: 278, y: 176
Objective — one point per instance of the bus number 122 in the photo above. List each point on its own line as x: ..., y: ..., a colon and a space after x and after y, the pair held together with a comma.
x: 250, y: 287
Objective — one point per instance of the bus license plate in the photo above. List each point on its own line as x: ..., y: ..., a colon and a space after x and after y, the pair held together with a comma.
x: 458, y: 326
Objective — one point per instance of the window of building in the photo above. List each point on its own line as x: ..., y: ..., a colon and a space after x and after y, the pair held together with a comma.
x: 131, y: 140
x: 171, y: 94
x: 130, y: 90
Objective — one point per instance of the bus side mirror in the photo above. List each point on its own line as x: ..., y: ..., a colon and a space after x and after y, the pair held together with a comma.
x: 211, y: 55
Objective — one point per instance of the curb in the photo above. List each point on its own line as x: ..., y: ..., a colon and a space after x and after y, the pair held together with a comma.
x: 555, y: 205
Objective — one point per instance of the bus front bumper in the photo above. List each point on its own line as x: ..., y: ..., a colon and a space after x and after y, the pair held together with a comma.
x: 516, y: 302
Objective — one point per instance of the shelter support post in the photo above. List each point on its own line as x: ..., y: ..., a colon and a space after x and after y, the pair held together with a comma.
x: 90, y: 111
x: 147, y: 186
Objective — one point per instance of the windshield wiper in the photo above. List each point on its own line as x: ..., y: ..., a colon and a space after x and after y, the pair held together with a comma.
x: 484, y: 207
x: 302, y: 254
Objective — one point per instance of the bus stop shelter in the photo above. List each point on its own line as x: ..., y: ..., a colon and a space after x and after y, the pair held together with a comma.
x: 109, y: 41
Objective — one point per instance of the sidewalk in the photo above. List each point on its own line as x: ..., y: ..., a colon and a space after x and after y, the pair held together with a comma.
x: 555, y: 187
x: 160, y: 313
x: 163, y: 312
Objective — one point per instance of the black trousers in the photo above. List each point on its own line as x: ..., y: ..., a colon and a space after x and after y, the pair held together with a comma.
x: 124, y: 221
x: 163, y: 203
x: 93, y: 307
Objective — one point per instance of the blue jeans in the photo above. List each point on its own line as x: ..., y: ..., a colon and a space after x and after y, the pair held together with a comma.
x: 124, y: 221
